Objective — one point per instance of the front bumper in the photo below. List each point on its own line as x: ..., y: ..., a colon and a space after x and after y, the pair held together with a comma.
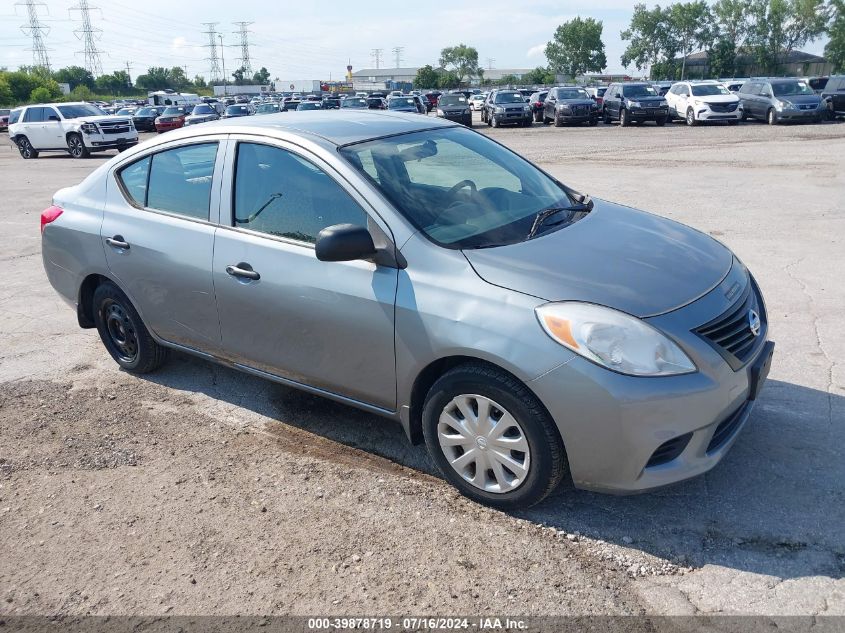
x: 96, y: 142
x: 800, y: 115
x: 649, y: 114
x: 618, y: 430
x: 707, y: 114
x: 568, y: 117
x: 169, y: 125
x: 460, y: 117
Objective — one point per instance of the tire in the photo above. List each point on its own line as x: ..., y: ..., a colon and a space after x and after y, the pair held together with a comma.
x: 558, y: 122
x: 544, y: 459
x: 28, y: 152
x: 605, y: 116
x: 538, y: 118
x: 76, y: 147
x: 744, y: 117
x: 690, y: 118
x: 123, y: 333
x: 624, y: 120
x: 594, y: 122
x: 772, y: 117
x: 494, y: 121
x: 733, y: 122
x: 661, y: 121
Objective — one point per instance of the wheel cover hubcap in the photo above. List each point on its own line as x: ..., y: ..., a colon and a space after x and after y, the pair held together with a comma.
x: 121, y: 332
x: 483, y: 443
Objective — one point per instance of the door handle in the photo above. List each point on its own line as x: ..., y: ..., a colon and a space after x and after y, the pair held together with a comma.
x: 242, y: 270
x: 117, y: 242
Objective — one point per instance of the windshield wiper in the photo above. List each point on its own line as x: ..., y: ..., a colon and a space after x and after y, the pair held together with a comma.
x: 545, y: 214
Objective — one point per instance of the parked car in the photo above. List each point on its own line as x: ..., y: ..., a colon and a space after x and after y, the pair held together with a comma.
x: 781, y: 99
x: 202, y: 113
x: 702, y: 101
x: 506, y: 107
x: 76, y: 128
x: 376, y: 103
x: 537, y: 100
x: 634, y: 102
x: 476, y: 101
x: 172, y: 118
x: 309, y: 105
x: 4, y: 118
x: 268, y: 108
x: 662, y: 87
x: 455, y: 107
x: 524, y: 331
x: 833, y: 96
x: 238, y: 110
x: 290, y: 104
x: 432, y: 98
x: 405, y: 104
x: 570, y: 104
x: 331, y: 103
x: 597, y: 94
x: 144, y: 118
x: 354, y: 103
x: 130, y: 111
x: 734, y: 85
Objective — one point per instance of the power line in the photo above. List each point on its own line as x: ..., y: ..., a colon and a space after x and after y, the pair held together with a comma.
x: 88, y: 34
x: 243, y: 31
x: 35, y: 31
x: 214, y: 74
x: 397, y: 55
x: 375, y: 54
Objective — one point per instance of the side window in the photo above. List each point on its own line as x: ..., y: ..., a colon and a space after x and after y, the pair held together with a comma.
x: 33, y: 115
x: 180, y: 180
x: 278, y: 193
x: 134, y: 180
x: 50, y: 112
x: 14, y: 117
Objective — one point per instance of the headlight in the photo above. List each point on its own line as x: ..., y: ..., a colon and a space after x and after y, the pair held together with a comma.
x: 527, y: 108
x: 439, y: 112
x: 636, y: 104
x: 88, y: 128
x: 613, y: 339
x: 563, y: 107
x: 499, y: 110
x: 784, y: 105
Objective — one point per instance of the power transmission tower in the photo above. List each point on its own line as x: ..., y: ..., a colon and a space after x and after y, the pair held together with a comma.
x: 375, y: 54
x: 88, y: 34
x: 214, y: 74
x: 397, y: 55
x: 243, y: 31
x: 490, y: 61
x: 128, y: 75
x: 36, y: 32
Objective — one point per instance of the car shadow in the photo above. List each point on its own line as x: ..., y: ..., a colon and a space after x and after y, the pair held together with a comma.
x: 775, y: 505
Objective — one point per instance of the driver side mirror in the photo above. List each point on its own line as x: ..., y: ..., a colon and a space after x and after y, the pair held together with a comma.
x: 344, y: 243
x: 53, y: 117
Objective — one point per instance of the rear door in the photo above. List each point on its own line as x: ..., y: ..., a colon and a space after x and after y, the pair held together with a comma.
x: 33, y: 120
x: 329, y: 325
x: 837, y: 93
x: 158, y: 235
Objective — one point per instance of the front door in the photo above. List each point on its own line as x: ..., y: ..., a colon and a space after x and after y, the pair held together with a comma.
x: 329, y: 325
x: 158, y: 235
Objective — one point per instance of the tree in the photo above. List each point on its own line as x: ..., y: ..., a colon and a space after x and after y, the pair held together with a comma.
x: 508, y: 80
x: 114, y: 84
x: 74, y: 76
x: 448, y: 80
x: 262, y: 76
x: 651, y: 41
x: 462, y: 60
x: 577, y: 48
x: 21, y: 85
x: 781, y: 26
x: 835, y: 48
x: 427, y: 77
x: 732, y: 24
x: 539, y: 76
x: 156, y: 78
x: 40, y: 95
x: 199, y: 82
x: 6, y: 98
x: 81, y: 93
x: 690, y: 26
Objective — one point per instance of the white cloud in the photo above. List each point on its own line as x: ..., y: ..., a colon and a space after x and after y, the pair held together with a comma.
x: 536, y: 51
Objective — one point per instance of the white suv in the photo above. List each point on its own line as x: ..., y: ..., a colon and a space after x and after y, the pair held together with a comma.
x: 697, y: 101
x: 76, y: 128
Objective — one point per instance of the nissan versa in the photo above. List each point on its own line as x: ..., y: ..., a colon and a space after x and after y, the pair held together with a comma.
x: 419, y: 270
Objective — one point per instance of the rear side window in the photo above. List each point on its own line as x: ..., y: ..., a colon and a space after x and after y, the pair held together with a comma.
x: 176, y: 180
x: 282, y: 194
x: 33, y: 115
x: 14, y: 116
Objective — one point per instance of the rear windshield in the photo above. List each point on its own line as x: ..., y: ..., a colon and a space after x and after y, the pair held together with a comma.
x: 400, y: 102
x: 146, y: 112
x: 354, y: 102
x: 204, y: 109
x: 509, y: 97
x: 237, y: 109
x: 452, y: 100
x: 173, y: 112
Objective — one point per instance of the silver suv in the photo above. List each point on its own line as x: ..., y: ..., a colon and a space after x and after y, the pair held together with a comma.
x: 76, y: 128
x: 418, y: 270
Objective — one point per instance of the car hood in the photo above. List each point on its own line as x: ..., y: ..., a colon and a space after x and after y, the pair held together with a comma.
x: 646, y: 99
x: 195, y: 117
x: 801, y: 99
x: 105, y: 117
x: 576, y: 102
x: 616, y: 256
x: 454, y: 108
x: 718, y: 98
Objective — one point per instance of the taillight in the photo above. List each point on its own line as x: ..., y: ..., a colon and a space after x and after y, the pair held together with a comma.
x: 50, y: 214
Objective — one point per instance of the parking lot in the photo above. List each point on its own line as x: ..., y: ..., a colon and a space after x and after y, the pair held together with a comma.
x: 201, y: 490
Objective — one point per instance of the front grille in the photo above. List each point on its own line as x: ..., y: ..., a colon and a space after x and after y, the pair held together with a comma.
x: 727, y: 429
x: 723, y: 107
x: 580, y: 110
x: 731, y: 335
x: 114, y: 127
x: 807, y: 106
x: 668, y: 451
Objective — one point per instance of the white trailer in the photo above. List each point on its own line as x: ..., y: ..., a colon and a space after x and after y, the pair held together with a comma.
x: 303, y: 86
x: 170, y: 98
x: 233, y: 89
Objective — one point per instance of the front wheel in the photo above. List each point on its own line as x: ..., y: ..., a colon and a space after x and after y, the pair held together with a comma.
x: 76, y: 147
x: 624, y: 118
x: 594, y: 121
x: 605, y: 116
x: 691, y: 120
x: 661, y: 121
x: 26, y: 149
x: 492, y: 438
x: 494, y: 121
x: 772, y: 117
x: 123, y: 333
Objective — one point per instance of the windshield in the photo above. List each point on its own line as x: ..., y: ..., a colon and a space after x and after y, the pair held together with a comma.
x: 146, y: 112
x: 268, y: 107
x: 352, y: 102
x: 785, y: 88
x: 80, y: 109
x: 204, y: 109
x: 639, y: 91
x: 572, y: 93
x: 173, y: 112
x: 461, y: 189
x: 397, y: 102
x: 237, y: 109
x: 452, y: 100
x: 708, y: 90
x: 509, y: 97
x: 308, y: 105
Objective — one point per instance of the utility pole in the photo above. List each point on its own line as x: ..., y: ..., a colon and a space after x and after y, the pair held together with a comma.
x: 36, y: 32
x: 212, y: 52
x: 223, y: 61
x: 244, y: 33
x: 375, y: 54
x: 88, y: 34
x: 128, y: 75
x: 397, y: 53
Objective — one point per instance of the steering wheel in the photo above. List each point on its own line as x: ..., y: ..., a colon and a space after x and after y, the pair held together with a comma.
x: 461, y: 185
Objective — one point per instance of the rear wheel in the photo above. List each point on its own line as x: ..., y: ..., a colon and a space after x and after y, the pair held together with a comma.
x: 492, y: 438
x: 26, y: 149
x: 123, y: 333
x: 76, y: 147
x: 624, y: 118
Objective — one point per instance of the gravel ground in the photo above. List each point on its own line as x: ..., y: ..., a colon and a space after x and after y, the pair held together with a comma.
x: 199, y: 490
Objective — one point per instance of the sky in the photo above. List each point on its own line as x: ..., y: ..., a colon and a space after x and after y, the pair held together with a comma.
x: 308, y: 39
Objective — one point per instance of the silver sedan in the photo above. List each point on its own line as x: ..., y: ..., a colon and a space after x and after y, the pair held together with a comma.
x: 416, y: 269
